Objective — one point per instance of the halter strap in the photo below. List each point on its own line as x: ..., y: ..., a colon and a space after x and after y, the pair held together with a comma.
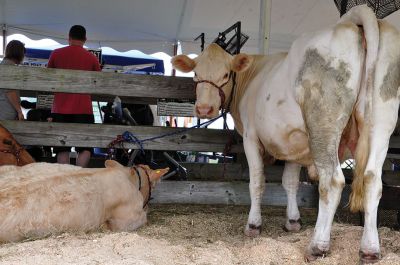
x: 16, y: 152
x: 220, y: 91
x: 140, y: 182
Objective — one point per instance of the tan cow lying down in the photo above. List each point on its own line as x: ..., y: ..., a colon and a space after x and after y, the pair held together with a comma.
x: 336, y: 90
x: 41, y: 199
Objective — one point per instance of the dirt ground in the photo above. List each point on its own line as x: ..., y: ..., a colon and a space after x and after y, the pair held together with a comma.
x: 182, y: 234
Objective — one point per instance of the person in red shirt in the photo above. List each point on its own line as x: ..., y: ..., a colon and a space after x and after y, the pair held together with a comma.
x: 71, y: 107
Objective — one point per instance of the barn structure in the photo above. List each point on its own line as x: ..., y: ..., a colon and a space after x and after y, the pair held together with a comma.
x: 153, y: 26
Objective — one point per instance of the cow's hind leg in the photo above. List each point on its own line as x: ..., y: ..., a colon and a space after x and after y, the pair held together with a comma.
x: 290, y: 182
x: 328, y: 102
x: 257, y: 183
x: 330, y: 189
x: 383, y: 126
x: 383, y: 122
x: 370, y: 249
x: 324, y: 143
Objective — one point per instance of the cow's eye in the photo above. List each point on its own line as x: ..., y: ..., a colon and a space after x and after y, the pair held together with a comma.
x: 7, y: 142
x: 226, y: 76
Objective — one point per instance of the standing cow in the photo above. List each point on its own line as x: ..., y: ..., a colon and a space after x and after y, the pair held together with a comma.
x: 41, y: 199
x: 335, y: 90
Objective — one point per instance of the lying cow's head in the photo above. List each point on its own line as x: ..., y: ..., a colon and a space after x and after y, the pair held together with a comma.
x: 141, y: 176
x: 11, y: 152
x: 213, y: 70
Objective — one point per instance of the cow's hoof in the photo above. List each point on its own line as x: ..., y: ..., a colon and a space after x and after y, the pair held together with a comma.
x: 252, y: 230
x: 369, y: 258
x: 292, y: 225
x: 314, y: 253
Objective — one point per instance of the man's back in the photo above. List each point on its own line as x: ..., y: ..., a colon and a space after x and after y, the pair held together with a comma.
x: 75, y: 58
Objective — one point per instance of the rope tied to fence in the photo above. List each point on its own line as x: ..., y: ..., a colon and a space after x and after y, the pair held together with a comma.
x: 129, y: 137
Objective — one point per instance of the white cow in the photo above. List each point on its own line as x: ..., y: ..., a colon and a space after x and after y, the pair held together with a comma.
x: 336, y: 89
x: 41, y: 199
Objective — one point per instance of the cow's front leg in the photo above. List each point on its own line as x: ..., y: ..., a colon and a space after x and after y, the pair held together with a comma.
x: 252, y: 148
x: 290, y: 182
x: 127, y: 217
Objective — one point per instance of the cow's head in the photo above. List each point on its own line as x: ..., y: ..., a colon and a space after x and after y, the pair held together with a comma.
x: 11, y: 152
x: 141, y: 175
x: 213, y: 70
x: 153, y: 175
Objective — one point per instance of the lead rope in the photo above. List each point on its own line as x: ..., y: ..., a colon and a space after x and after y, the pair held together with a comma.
x: 229, y: 144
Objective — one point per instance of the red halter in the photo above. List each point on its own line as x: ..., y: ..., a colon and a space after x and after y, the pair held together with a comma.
x: 14, y: 150
x: 220, y: 91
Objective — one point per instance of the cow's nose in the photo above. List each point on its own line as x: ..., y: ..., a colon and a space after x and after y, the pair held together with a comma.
x: 204, y: 110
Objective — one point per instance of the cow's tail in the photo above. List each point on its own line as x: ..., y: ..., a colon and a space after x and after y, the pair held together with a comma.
x: 365, y: 17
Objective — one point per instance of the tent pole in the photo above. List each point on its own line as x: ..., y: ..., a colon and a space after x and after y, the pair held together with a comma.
x: 265, y: 25
x: 172, y: 120
x: 4, y: 30
x: 175, y: 47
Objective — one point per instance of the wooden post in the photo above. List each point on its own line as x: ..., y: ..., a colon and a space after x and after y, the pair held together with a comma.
x: 4, y: 33
x: 175, y: 47
x: 101, y: 115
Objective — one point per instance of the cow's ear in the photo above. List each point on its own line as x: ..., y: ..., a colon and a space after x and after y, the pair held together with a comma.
x: 113, y: 164
x: 156, y: 174
x: 241, y: 62
x: 183, y: 63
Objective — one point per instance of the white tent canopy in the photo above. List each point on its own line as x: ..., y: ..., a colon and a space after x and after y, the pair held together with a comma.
x: 156, y: 25
x: 150, y: 26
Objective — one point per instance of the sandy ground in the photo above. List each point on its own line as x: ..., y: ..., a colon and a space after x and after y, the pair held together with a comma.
x: 179, y: 234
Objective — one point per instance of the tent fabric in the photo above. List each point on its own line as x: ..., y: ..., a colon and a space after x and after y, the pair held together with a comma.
x: 149, y: 26
x: 156, y: 25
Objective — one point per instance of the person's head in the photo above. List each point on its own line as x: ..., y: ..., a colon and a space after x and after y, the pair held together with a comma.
x: 15, y: 51
x: 77, y: 33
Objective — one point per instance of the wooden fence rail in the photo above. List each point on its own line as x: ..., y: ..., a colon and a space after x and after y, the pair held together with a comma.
x: 236, y: 193
x: 273, y: 173
x: 95, y: 83
x: 100, y: 135
x: 109, y: 84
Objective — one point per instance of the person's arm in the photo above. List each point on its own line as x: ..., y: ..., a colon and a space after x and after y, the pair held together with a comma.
x: 96, y: 64
x: 15, y: 102
x: 51, y: 63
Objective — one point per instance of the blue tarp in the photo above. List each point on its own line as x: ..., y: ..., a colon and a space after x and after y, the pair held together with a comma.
x: 109, y: 57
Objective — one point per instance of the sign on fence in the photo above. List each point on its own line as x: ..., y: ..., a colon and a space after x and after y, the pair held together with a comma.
x: 44, y: 100
x: 173, y: 107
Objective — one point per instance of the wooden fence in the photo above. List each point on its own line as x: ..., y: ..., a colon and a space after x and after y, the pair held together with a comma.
x: 147, y: 89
